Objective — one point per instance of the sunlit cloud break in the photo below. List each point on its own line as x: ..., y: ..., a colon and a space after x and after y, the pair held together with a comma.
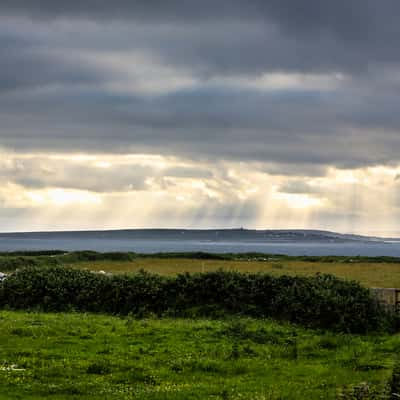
x: 110, y: 191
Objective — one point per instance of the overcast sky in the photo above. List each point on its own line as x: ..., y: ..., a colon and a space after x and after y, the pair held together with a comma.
x: 263, y: 114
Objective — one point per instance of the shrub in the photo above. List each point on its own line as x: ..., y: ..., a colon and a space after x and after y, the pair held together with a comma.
x: 8, y: 264
x: 318, y: 302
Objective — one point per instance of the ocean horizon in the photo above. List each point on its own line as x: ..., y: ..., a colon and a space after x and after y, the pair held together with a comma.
x: 289, y: 242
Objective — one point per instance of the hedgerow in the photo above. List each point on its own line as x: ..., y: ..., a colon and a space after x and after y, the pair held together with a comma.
x: 12, y: 263
x: 322, y: 301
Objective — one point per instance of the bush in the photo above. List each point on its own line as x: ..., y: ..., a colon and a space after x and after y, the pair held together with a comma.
x: 8, y: 264
x: 318, y: 302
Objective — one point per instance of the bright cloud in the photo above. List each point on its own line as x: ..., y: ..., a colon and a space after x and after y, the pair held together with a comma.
x: 106, y: 190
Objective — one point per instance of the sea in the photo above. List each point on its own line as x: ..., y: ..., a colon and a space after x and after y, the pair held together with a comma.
x: 297, y: 244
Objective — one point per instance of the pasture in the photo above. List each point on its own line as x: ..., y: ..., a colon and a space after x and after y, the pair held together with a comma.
x: 85, y: 356
x: 370, y: 274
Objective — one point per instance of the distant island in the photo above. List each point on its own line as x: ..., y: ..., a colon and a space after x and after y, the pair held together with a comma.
x: 208, y: 235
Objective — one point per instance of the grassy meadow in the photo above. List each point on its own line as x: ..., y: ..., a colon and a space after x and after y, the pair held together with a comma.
x: 77, y: 356
x: 370, y: 274
x: 86, y: 356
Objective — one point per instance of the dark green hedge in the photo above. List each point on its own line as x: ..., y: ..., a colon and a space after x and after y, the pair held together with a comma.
x: 9, y: 263
x: 320, y: 302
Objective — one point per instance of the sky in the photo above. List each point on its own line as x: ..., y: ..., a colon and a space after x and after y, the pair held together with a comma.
x: 257, y: 113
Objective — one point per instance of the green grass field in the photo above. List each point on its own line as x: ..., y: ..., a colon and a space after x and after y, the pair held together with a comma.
x: 80, y: 356
x: 88, y: 356
x: 369, y: 271
x: 371, y: 274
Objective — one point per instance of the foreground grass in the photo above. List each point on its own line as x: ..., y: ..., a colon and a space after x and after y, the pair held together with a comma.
x: 369, y: 274
x: 81, y: 356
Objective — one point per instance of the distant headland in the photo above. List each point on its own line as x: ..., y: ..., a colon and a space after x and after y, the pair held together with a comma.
x: 236, y: 234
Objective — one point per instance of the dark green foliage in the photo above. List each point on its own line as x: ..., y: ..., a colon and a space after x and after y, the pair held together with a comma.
x: 9, y: 263
x: 318, y: 302
x: 395, y: 382
x: 12, y: 263
x: 33, y: 253
x: 98, y: 368
x: 362, y: 391
x: 87, y: 255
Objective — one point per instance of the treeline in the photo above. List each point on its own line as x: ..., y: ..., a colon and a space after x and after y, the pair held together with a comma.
x: 322, y: 301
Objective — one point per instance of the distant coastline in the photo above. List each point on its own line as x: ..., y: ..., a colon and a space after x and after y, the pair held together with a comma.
x: 287, y: 242
x: 212, y: 235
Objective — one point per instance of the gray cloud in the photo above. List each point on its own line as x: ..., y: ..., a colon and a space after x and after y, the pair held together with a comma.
x: 58, y: 94
x: 187, y: 172
x: 287, y: 128
x: 298, y: 187
x: 343, y: 17
x: 25, y: 63
x: 252, y: 35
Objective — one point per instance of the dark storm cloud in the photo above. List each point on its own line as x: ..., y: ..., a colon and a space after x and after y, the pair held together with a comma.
x: 246, y: 36
x: 347, y: 18
x: 25, y: 63
x: 289, y: 128
x: 57, y: 88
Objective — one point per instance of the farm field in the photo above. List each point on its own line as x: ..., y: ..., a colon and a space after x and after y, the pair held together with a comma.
x: 370, y: 274
x: 86, y: 356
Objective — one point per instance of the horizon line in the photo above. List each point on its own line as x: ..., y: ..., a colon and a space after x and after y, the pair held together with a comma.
x: 241, y: 228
